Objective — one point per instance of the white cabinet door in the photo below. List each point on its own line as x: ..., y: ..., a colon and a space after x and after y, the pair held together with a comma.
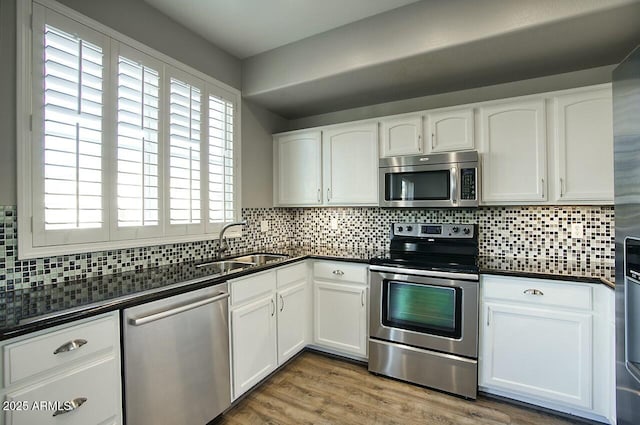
x: 514, y: 152
x: 584, y: 146
x: 401, y: 135
x: 298, y: 169
x: 341, y: 317
x: 451, y: 130
x: 292, y: 320
x: 543, y: 353
x: 253, y: 343
x: 351, y: 164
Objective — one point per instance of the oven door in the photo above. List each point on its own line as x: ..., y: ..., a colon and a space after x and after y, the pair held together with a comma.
x: 438, y: 314
x: 419, y: 186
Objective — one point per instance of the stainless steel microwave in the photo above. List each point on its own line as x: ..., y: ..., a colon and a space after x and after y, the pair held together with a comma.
x: 447, y: 180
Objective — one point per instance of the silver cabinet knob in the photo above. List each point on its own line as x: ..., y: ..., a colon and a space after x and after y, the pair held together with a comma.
x: 533, y: 292
x: 338, y: 272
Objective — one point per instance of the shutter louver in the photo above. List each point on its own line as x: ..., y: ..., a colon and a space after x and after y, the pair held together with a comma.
x: 137, y: 151
x: 72, y: 132
x: 221, y: 179
x: 184, y: 153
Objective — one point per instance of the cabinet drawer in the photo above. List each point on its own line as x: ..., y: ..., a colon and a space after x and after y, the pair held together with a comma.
x: 35, y: 355
x: 95, y: 383
x: 340, y: 271
x: 251, y: 287
x: 537, y: 291
x: 290, y: 274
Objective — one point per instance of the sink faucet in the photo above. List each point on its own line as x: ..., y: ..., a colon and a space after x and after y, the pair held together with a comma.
x: 222, y: 243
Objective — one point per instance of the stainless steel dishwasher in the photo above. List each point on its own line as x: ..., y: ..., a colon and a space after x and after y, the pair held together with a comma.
x: 176, y: 359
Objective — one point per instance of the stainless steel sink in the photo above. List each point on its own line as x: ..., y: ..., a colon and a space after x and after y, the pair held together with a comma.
x: 261, y: 259
x: 240, y: 263
x: 226, y: 266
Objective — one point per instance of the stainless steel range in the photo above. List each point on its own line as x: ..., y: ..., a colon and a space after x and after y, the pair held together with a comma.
x: 424, y: 307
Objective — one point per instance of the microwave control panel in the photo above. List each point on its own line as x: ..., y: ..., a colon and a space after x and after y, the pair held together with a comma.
x: 468, y: 184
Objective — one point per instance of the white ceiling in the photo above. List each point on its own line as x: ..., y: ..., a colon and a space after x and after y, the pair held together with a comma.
x: 247, y: 27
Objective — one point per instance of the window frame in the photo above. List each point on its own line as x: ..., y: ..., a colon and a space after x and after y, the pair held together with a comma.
x: 114, y: 238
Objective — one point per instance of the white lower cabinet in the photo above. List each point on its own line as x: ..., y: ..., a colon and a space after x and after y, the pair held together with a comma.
x: 253, y: 341
x: 69, y: 374
x: 341, y: 307
x: 546, y: 342
x: 270, y: 314
x: 540, y: 352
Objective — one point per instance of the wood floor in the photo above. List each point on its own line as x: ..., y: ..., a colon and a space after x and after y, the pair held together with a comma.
x: 316, y: 389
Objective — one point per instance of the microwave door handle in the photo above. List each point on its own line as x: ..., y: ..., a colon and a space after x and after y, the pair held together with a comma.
x: 454, y: 185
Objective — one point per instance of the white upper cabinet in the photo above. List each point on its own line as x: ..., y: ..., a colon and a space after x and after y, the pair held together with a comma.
x: 584, y: 147
x: 350, y: 155
x: 298, y: 168
x: 451, y: 130
x: 401, y: 135
x: 547, y: 149
x: 514, y: 152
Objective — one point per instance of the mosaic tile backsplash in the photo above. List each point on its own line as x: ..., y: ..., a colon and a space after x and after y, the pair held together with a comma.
x: 513, y: 232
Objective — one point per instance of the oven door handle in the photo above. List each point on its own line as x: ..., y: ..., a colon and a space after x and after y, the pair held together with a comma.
x: 426, y: 273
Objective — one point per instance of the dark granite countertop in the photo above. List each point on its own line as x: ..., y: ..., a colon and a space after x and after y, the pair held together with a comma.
x: 578, y: 271
x: 27, y: 310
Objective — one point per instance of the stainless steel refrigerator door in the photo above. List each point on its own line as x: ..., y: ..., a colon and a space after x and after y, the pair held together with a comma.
x: 176, y: 359
x: 626, y: 129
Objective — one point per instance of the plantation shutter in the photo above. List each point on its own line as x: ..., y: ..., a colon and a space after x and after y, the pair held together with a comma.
x: 221, y: 161
x: 185, y: 153
x: 138, y: 194
x: 68, y: 126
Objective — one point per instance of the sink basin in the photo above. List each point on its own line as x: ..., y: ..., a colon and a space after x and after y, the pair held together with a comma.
x: 261, y: 259
x: 240, y: 263
x: 226, y: 266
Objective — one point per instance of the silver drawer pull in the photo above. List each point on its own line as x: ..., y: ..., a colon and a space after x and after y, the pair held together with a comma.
x: 338, y: 272
x: 70, y: 406
x: 533, y: 292
x: 70, y: 346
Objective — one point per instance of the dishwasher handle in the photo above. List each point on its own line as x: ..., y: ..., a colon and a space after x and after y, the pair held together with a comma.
x: 162, y: 314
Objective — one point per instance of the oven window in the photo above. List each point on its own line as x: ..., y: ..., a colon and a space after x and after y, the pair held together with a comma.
x: 417, y: 186
x: 422, y: 308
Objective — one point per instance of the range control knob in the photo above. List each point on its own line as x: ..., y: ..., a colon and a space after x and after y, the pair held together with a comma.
x: 455, y: 229
x: 409, y: 228
x: 399, y: 228
x: 466, y: 230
